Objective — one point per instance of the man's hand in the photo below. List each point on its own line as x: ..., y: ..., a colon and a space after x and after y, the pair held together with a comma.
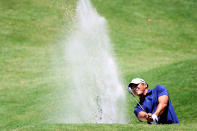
x: 153, y: 119
x: 149, y: 117
x: 143, y: 116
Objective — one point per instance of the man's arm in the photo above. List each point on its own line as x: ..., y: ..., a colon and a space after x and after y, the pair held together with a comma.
x: 163, y: 102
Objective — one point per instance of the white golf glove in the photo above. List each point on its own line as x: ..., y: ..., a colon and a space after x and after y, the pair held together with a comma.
x: 155, y: 119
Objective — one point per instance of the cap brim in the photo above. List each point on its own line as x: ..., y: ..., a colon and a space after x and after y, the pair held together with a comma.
x: 132, y: 84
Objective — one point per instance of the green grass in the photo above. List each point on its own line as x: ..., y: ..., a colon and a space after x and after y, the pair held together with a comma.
x: 31, y: 64
x: 105, y: 127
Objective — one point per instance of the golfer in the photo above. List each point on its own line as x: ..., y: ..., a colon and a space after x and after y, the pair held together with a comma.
x: 155, y: 106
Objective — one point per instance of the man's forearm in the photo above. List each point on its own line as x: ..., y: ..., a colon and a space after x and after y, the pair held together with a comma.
x: 160, y: 109
x: 163, y: 102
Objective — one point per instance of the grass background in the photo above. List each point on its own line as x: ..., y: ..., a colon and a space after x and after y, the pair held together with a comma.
x: 162, y: 51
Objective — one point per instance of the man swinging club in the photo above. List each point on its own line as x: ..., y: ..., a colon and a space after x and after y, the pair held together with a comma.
x: 155, y: 106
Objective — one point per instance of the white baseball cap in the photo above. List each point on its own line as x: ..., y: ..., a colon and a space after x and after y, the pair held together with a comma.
x: 136, y: 81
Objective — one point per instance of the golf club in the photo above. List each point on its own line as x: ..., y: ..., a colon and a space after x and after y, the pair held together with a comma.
x: 134, y: 97
x: 131, y: 92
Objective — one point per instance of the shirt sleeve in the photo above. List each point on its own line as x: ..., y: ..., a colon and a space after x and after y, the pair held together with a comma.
x: 137, y: 109
x: 161, y: 90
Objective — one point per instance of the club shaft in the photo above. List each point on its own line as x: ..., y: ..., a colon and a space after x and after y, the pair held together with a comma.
x: 139, y: 105
x: 137, y: 102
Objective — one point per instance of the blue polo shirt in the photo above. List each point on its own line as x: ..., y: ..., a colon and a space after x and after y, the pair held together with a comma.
x: 150, y: 102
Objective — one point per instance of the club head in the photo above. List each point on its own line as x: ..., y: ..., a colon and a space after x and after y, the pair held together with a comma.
x: 130, y: 91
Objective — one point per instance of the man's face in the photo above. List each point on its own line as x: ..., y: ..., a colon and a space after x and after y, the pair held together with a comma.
x: 139, y: 89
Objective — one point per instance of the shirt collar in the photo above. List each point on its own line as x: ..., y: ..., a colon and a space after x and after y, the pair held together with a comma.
x: 148, y: 92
